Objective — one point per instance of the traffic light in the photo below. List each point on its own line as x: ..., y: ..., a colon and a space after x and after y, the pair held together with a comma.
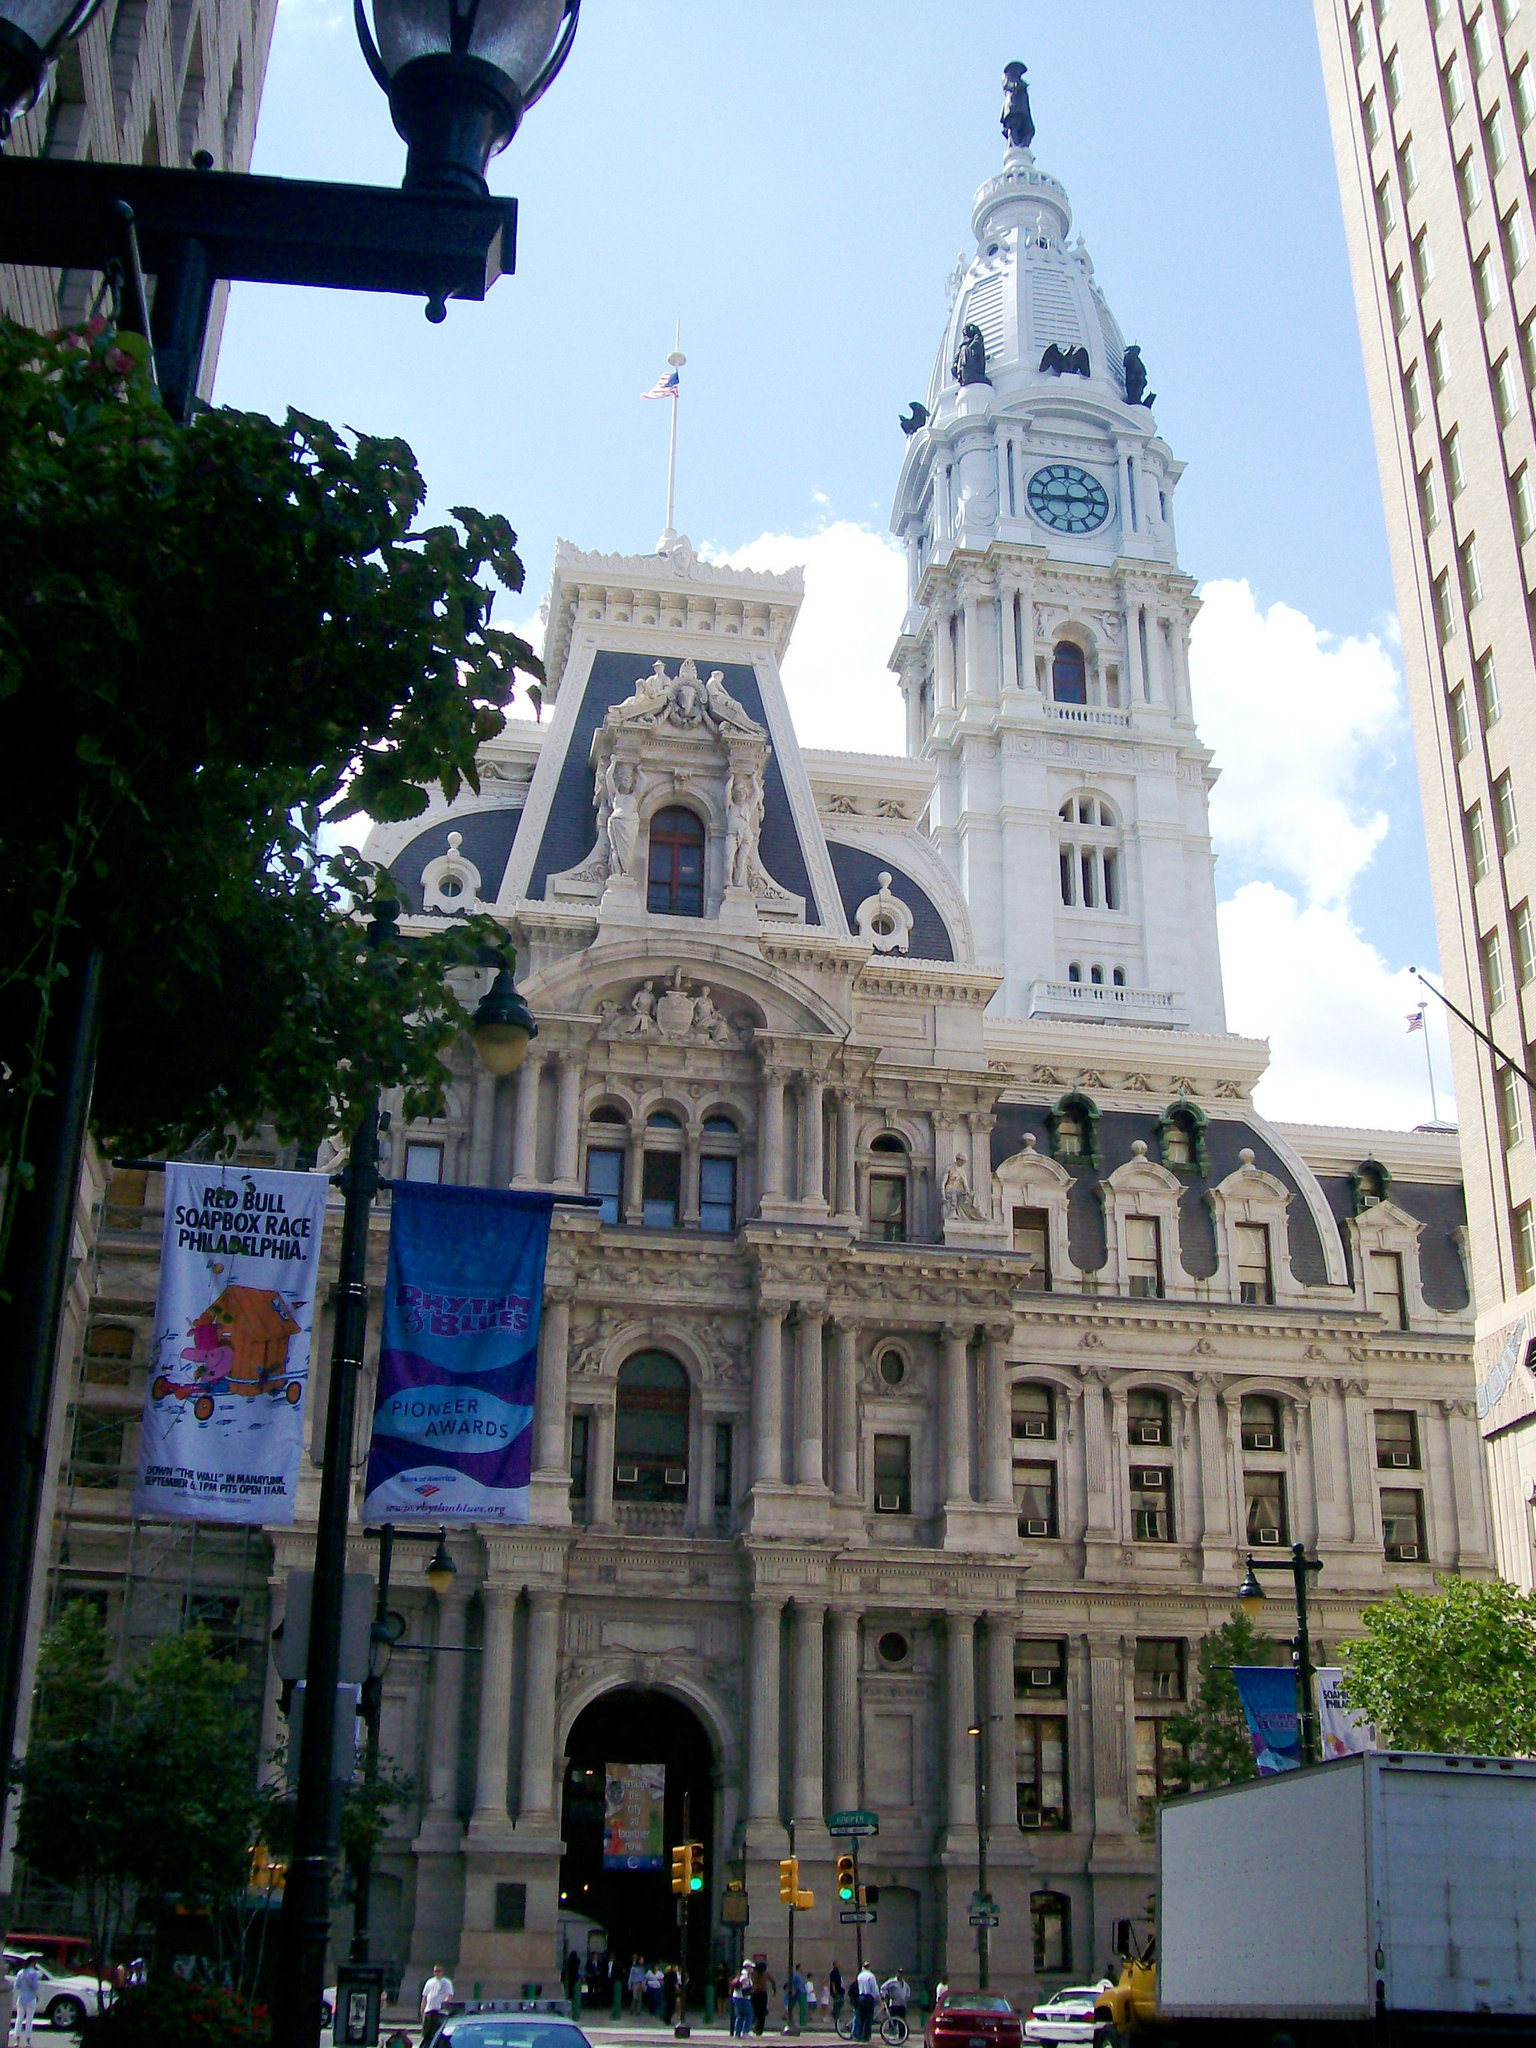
x: 845, y: 1885
x: 804, y: 1901
x: 789, y: 1879
x: 695, y: 1866
x: 682, y: 1869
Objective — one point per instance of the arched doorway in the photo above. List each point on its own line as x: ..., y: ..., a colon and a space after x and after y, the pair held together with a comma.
x: 635, y: 1725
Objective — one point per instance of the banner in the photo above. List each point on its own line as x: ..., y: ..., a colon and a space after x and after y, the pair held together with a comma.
x: 1343, y: 1731
x: 224, y: 1410
x: 1268, y: 1694
x: 453, y: 1417
x: 634, y: 1796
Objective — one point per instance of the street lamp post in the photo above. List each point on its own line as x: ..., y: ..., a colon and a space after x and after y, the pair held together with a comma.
x: 983, y: 1931
x: 1250, y: 1597
x: 504, y: 1027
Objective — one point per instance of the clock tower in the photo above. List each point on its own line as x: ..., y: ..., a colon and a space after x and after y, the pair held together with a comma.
x: 1044, y: 654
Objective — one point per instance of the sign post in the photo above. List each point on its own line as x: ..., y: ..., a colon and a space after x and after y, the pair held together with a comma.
x: 857, y: 1823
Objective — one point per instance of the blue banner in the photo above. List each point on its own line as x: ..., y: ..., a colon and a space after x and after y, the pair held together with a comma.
x: 1268, y: 1694
x: 458, y: 1359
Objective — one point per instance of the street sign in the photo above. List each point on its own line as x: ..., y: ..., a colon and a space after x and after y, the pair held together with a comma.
x: 859, y: 1916
x: 734, y: 1909
x: 983, y: 1902
x: 983, y: 1919
x: 856, y: 1821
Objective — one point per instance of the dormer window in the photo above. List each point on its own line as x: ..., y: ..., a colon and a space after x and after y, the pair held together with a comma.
x: 1371, y: 1183
x: 675, y: 876
x: 1073, y: 1125
x: 1181, y: 1137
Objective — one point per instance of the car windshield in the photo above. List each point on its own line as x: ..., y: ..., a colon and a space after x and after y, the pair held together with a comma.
x: 975, y: 2001
x: 532, y: 2032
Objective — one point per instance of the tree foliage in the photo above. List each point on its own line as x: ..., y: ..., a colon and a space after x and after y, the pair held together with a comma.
x: 1453, y: 1671
x: 1212, y: 1731
x: 213, y: 639
x: 138, y: 1791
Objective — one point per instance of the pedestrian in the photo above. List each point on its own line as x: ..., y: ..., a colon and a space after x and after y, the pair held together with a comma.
x: 653, y: 1983
x: 671, y: 1984
x: 763, y: 1988
x: 897, y: 1993
x: 435, y: 1995
x: 741, y: 1999
x: 572, y: 1975
x: 811, y: 1999
x: 794, y: 1991
x: 636, y: 1986
x: 866, y: 1990
x: 24, y: 1989
x: 940, y: 1993
x: 835, y: 1993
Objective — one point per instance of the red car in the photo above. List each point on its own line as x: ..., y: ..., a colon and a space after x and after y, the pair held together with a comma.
x: 975, y: 2019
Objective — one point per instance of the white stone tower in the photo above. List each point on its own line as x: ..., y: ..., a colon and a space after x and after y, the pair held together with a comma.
x: 1044, y: 654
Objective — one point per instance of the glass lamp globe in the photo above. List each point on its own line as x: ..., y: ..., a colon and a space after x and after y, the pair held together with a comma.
x: 32, y: 33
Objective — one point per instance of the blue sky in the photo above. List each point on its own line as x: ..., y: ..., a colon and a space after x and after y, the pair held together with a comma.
x: 792, y: 182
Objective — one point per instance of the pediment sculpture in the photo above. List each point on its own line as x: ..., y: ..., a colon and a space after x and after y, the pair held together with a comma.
x: 683, y: 701
x: 676, y: 1012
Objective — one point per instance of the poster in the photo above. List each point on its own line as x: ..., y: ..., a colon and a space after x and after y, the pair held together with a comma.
x: 633, y: 1799
x: 224, y: 1409
x: 458, y: 1358
x: 1343, y: 1731
x: 1268, y: 1694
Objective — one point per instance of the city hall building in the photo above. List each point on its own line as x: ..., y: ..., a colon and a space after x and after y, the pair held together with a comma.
x: 950, y: 1324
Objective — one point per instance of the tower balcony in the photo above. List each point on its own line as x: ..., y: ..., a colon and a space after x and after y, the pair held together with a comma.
x: 1100, y: 715
x: 1090, y: 1002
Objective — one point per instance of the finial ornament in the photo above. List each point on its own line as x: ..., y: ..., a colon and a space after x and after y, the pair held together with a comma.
x: 1018, y: 122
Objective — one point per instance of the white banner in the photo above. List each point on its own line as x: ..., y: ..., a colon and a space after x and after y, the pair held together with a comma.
x: 224, y: 1409
x: 1343, y: 1731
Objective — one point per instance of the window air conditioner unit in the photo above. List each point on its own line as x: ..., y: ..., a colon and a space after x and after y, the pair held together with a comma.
x: 1149, y: 1433
x: 626, y: 1475
x: 1403, y: 1553
x: 888, y: 1503
x: 1402, y: 1459
x: 1044, y: 1675
x: 1035, y: 1527
x: 1269, y: 1535
x: 1152, y: 1479
x: 675, y: 1475
x: 1261, y: 1440
x: 1370, y: 1201
x: 1029, y: 1820
x: 1034, y: 1429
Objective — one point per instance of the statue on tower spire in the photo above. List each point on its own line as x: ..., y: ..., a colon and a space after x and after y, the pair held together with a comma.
x: 1018, y: 122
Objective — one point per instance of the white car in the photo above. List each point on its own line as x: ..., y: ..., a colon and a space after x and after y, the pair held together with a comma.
x: 62, y: 2001
x: 1067, y: 2015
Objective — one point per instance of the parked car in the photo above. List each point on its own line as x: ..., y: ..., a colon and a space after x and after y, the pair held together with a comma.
x: 63, y: 2001
x: 974, y: 2019
x: 1066, y: 2015
x: 509, y: 2023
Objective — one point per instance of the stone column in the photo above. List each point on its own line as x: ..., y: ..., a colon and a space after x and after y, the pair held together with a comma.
x: 568, y: 1122
x: 1128, y: 494
x: 1330, y: 1520
x: 634, y: 1168
x: 491, y: 1757
x: 1007, y: 599
x: 689, y: 1191
x: 1002, y: 1767
x: 847, y: 1185
x: 447, y: 1669
x: 763, y: 1711
x: 943, y: 661
x: 503, y: 1097
x: 1466, y: 1480
x: 771, y: 1163
x: 975, y: 668
x: 810, y: 1401
x: 768, y: 1396
x: 1214, y: 1484
x: 1138, y: 677
x: 525, y: 1130
x: 536, y: 1804
x: 845, y: 1709
x: 553, y: 1451
x: 845, y: 1409
x: 1107, y: 1719
x: 997, y: 1464
x: 810, y: 1686
x: 812, y: 1148
x: 979, y: 1124
x: 960, y: 1688
x: 600, y: 1471
x: 1362, y: 1466
x: 1098, y: 1453
x: 482, y: 1127
x: 956, y: 1413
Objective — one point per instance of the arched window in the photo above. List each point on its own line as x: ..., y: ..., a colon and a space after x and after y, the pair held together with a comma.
x: 1069, y: 673
x: 1261, y: 1423
x: 606, y: 1128
x: 1181, y: 1137
x: 1371, y: 1183
x: 1147, y: 1416
x: 1050, y: 1915
x: 1119, y: 977
x: 1075, y: 970
x: 888, y: 1189
x: 675, y: 878
x: 1073, y: 1125
x: 1089, y: 856
x: 650, y: 1430
x: 661, y: 1171
x: 717, y: 1173
x: 1096, y: 976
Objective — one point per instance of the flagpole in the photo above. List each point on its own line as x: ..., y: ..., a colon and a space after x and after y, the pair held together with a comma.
x: 677, y: 360
x: 1434, y: 1106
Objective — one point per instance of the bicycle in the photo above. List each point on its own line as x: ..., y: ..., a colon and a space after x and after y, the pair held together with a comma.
x: 893, y: 2028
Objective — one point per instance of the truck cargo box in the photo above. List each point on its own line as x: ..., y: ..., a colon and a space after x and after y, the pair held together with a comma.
x: 1392, y: 1882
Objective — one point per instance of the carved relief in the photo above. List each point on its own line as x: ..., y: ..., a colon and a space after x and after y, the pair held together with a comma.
x: 678, y: 1013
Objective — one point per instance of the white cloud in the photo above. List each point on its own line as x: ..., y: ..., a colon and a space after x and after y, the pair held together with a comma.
x: 1296, y: 717
x: 1334, y: 1012
x: 841, y: 694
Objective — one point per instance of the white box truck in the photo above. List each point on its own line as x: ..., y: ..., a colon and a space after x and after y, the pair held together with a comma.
x: 1375, y: 1898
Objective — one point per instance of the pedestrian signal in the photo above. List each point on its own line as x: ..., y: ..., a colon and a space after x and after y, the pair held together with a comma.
x: 845, y: 1885
x: 804, y: 1901
x: 682, y: 1868
x: 695, y: 1866
x: 789, y: 1879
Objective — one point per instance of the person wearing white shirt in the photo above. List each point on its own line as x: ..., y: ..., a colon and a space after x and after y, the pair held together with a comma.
x: 866, y: 1990
x: 436, y: 1994
x: 25, y: 1986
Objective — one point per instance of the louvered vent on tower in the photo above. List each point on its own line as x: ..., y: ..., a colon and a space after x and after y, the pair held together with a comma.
x: 1114, y: 340
x: 984, y: 304
x: 1054, y: 310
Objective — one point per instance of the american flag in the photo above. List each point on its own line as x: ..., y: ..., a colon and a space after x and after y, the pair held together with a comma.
x: 1416, y: 1019
x: 665, y: 386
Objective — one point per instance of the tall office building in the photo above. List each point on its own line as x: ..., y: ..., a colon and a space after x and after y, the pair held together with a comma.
x: 1434, y: 118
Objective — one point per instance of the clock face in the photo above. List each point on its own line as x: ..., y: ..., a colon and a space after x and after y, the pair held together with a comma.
x: 1068, y: 498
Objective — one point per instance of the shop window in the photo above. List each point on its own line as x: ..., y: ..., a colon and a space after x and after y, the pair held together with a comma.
x: 1161, y: 1667
x: 1387, y: 1289
x: 1147, y: 1416
x: 1259, y: 1420
x: 1032, y: 1234
x: 96, y: 1451
x: 423, y: 1160
x: 675, y: 877
x: 1402, y: 1524
x: 1264, y: 1508
x: 1039, y: 1670
x: 1397, y: 1439
x: 1040, y: 1764
x: 650, y: 1438
x: 893, y: 1475
x: 1050, y: 1918
x: 605, y: 1179
x: 1151, y: 1504
x: 1144, y: 1257
x: 1069, y: 673
x: 1034, y: 1489
x: 108, y: 1355
x: 1255, y: 1280
x: 1034, y: 1412
x: 717, y: 1194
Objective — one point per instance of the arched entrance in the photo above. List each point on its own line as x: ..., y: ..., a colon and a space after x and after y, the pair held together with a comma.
x: 634, y: 1726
